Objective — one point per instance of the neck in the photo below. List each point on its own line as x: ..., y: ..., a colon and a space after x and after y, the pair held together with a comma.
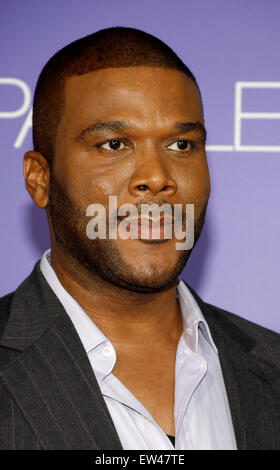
x: 124, y: 316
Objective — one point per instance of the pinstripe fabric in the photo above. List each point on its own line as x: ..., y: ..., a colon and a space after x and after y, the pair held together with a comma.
x: 50, y: 399
x: 51, y: 381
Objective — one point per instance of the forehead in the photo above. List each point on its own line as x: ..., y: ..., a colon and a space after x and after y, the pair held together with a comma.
x: 144, y: 93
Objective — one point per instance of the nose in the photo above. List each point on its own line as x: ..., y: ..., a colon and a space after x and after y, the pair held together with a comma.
x: 151, y: 177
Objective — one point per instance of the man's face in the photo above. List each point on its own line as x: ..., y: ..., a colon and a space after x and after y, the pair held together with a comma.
x: 144, y: 155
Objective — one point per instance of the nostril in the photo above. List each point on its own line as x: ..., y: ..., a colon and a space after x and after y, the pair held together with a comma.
x: 142, y: 187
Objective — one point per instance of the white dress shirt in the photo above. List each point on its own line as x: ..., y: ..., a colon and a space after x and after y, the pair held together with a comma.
x: 201, y: 410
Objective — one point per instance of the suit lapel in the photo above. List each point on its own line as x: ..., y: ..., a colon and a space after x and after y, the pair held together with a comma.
x: 252, y: 382
x: 52, y: 380
x: 253, y: 390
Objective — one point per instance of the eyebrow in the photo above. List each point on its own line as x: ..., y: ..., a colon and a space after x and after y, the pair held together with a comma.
x: 99, y: 127
x: 190, y: 126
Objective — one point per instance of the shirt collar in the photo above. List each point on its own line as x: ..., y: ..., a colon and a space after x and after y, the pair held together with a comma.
x: 91, y: 336
x: 194, y: 322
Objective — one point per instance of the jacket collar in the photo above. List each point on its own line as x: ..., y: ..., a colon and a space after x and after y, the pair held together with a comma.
x: 34, y: 308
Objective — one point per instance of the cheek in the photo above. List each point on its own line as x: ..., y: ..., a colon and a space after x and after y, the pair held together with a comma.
x: 195, y: 184
x: 95, y: 187
x: 87, y: 178
x: 109, y: 180
x: 103, y: 187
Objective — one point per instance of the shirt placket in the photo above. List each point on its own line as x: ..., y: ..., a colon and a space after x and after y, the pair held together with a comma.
x: 190, y: 370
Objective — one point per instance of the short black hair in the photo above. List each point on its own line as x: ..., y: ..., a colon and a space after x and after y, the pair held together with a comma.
x: 110, y: 47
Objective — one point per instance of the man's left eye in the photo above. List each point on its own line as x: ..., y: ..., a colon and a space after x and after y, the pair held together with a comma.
x: 181, y: 145
x: 113, y: 144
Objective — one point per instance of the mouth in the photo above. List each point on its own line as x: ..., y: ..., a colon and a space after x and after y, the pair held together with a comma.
x: 148, y: 229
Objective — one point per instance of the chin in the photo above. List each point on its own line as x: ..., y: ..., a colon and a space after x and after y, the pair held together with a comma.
x: 138, y: 273
x: 146, y: 278
x: 152, y: 274
x: 145, y: 286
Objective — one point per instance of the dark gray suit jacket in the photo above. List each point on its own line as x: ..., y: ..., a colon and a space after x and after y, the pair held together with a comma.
x: 50, y: 399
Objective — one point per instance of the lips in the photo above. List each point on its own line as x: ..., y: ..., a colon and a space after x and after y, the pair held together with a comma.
x: 149, y: 228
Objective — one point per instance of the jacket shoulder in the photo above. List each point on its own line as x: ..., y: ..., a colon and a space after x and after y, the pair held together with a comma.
x: 266, y: 338
x: 253, y: 329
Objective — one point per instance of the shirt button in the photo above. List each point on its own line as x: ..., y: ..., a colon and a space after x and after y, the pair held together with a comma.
x: 189, y: 331
x: 107, y: 351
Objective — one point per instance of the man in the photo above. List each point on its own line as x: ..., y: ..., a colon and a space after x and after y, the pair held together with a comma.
x: 101, y: 346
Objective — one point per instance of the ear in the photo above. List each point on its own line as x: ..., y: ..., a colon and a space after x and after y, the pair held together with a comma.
x: 37, y: 176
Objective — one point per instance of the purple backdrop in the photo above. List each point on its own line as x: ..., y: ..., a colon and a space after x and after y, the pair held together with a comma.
x: 233, y: 49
